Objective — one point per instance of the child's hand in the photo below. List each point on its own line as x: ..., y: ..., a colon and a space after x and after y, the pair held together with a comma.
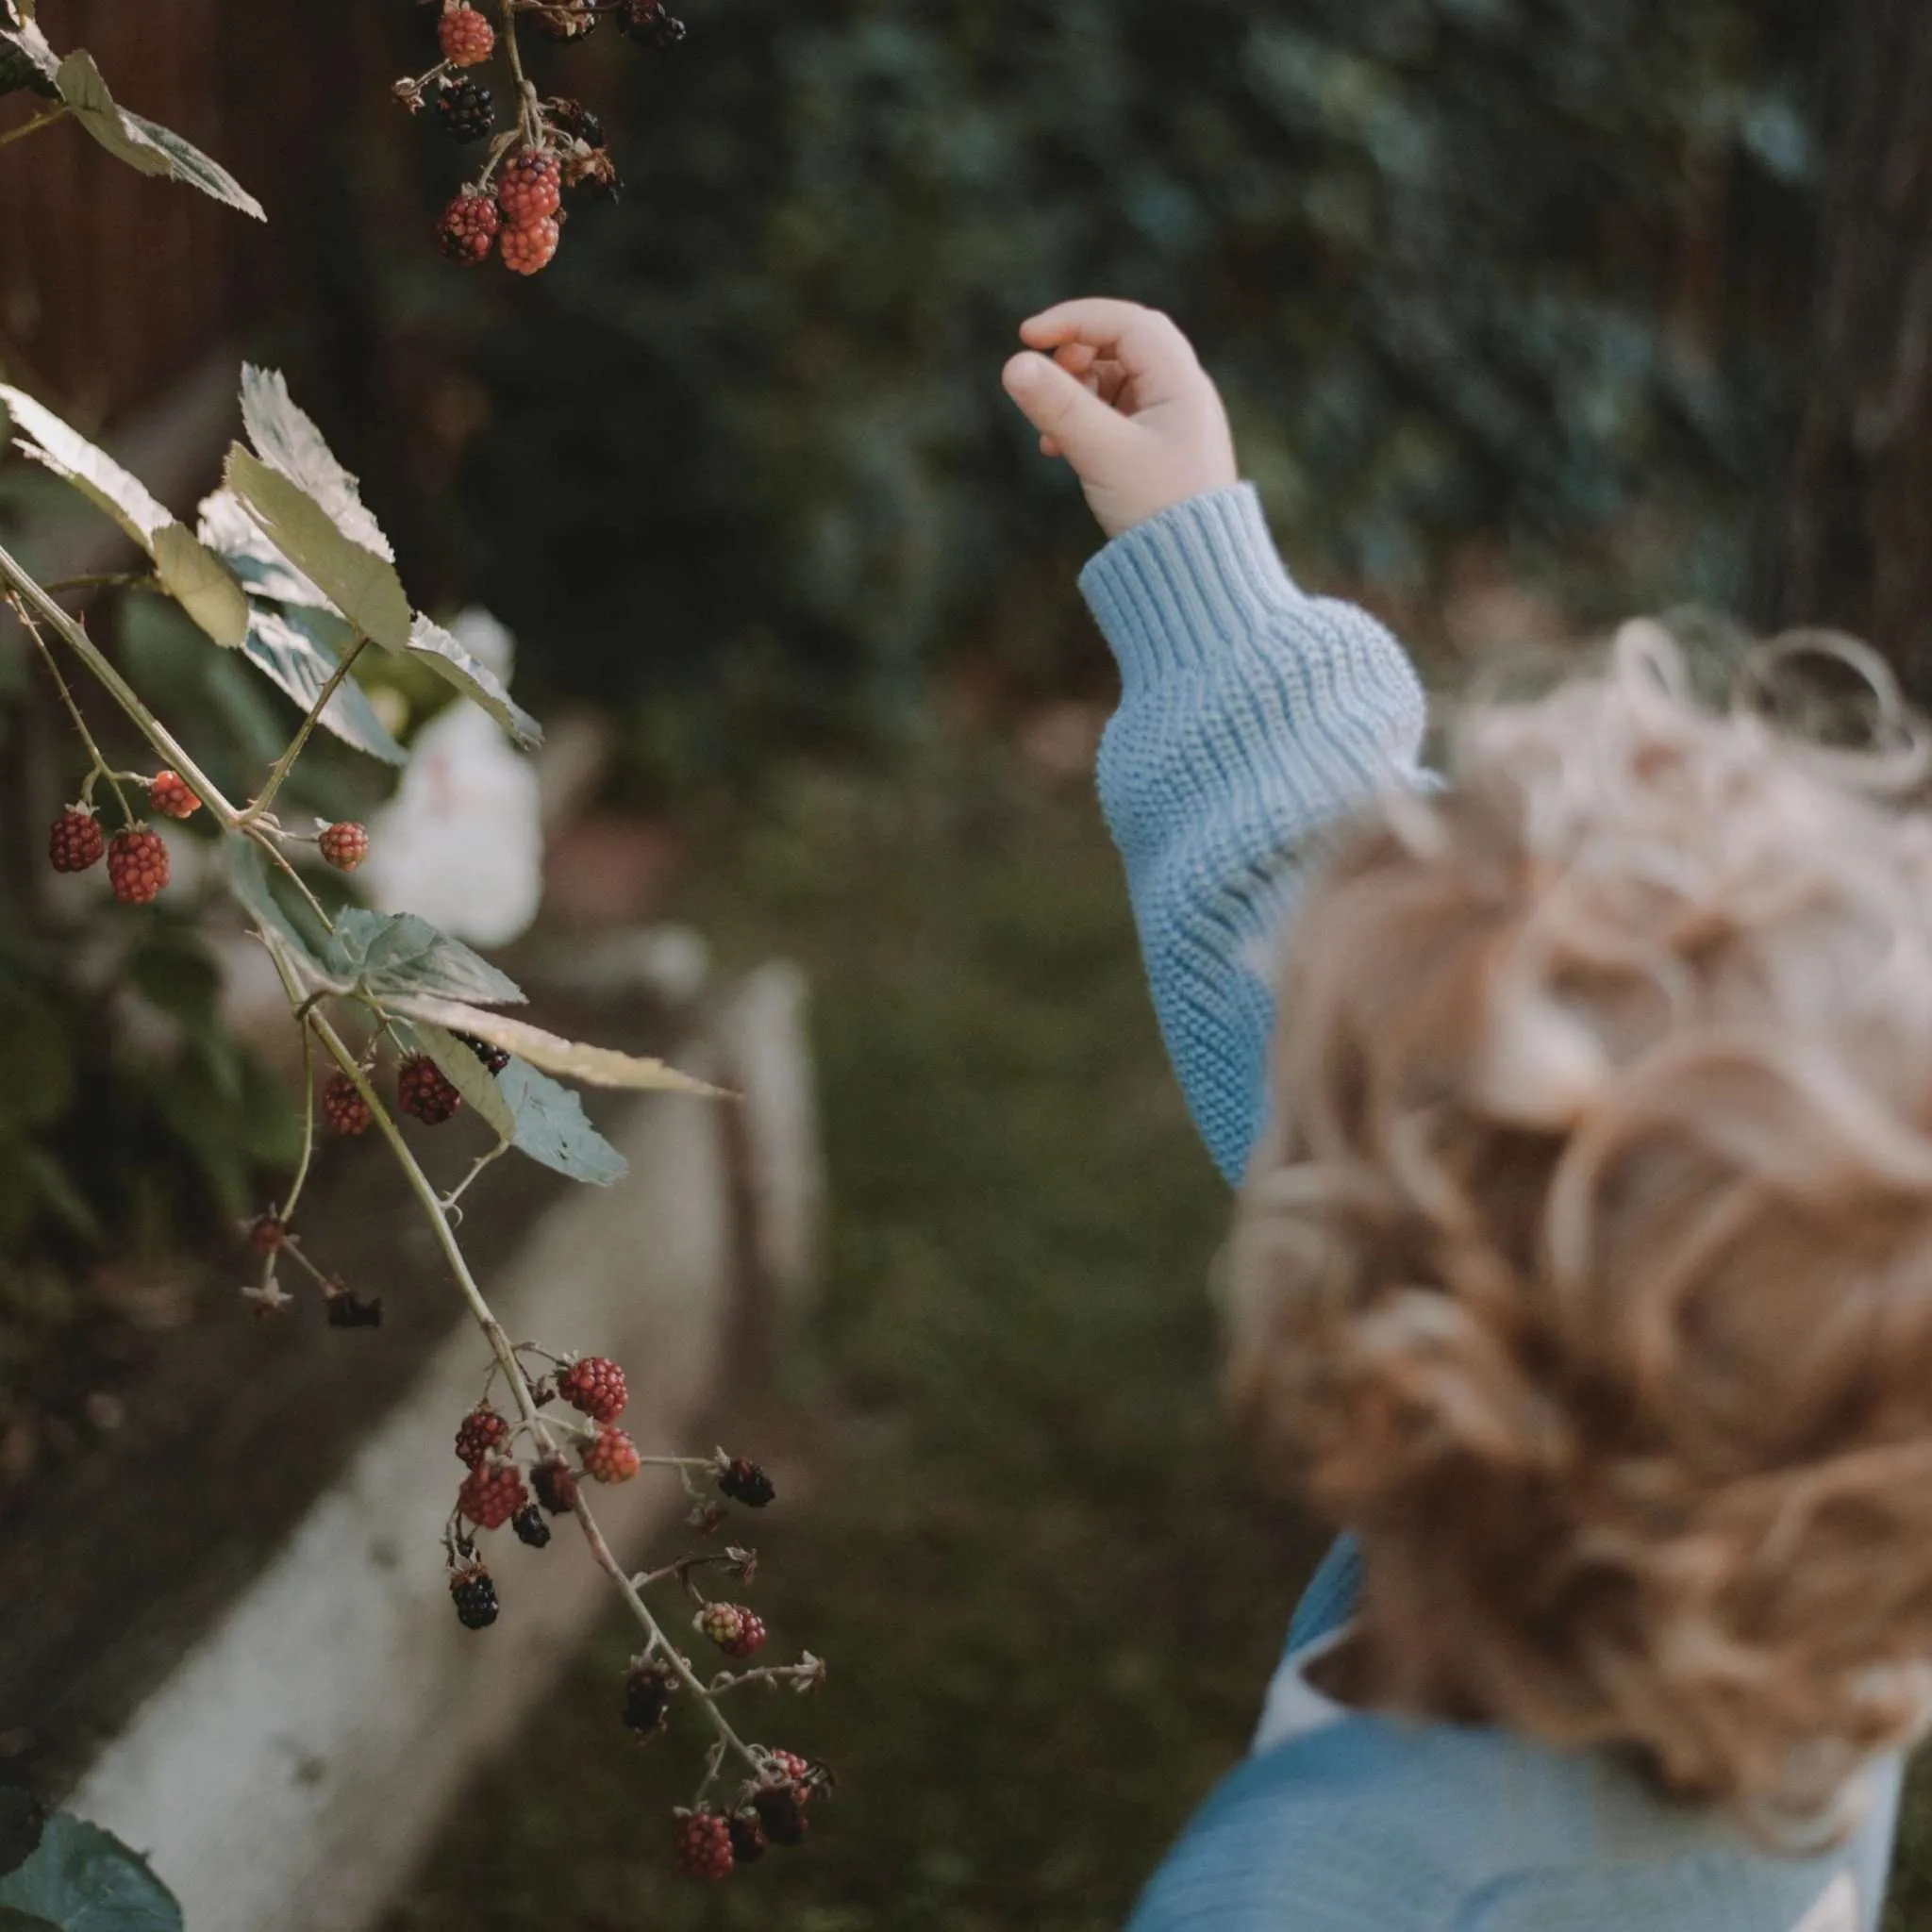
x: 1121, y: 394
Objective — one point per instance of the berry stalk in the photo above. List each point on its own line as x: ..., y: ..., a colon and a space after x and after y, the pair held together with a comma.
x: 286, y: 763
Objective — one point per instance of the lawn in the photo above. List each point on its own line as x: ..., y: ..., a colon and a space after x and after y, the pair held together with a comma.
x: 1049, y: 1589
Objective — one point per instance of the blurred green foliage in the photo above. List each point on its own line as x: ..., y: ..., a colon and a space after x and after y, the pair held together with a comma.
x: 1525, y: 268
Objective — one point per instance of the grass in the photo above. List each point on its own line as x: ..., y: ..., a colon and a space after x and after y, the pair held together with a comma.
x: 1014, y: 1522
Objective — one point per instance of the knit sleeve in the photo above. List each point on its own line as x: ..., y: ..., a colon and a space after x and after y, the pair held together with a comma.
x: 1252, y: 718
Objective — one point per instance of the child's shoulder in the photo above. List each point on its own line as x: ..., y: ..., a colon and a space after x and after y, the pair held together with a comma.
x: 1444, y: 1828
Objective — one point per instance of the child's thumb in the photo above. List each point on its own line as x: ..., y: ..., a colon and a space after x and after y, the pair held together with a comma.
x: 1060, y: 405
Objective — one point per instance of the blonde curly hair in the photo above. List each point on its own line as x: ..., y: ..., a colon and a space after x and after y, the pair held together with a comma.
x: 1587, y: 1271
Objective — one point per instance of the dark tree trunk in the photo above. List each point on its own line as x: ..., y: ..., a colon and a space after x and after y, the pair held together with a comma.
x: 1857, y: 536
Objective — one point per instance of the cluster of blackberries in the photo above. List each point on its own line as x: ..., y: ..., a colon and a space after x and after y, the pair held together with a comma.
x: 516, y: 207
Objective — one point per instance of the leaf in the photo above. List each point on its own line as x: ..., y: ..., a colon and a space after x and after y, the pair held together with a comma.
x: 596, y: 1066
x: 186, y: 162
x: 294, y: 651
x: 287, y: 439
x: 12, y: 1921
x: 470, y: 1077
x: 248, y: 877
x: 20, y: 1827
x: 361, y: 585
x: 84, y: 1879
x: 554, y: 1130
x: 430, y: 644
x: 143, y: 144
x: 31, y: 41
x: 396, y: 952
x: 91, y: 471
x: 233, y: 535
x: 202, y: 584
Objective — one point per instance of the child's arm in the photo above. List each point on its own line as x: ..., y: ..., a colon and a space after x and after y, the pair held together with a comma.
x: 1252, y: 717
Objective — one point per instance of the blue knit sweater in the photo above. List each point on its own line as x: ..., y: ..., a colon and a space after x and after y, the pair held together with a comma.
x: 1253, y: 719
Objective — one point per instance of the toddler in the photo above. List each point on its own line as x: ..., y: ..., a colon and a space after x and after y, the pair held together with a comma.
x: 1583, y: 1261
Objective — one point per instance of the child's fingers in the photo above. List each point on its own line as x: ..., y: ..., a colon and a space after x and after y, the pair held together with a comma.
x: 1061, y: 408
x: 1146, y: 344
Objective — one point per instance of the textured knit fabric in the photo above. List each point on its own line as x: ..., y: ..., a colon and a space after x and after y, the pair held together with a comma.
x: 1253, y: 719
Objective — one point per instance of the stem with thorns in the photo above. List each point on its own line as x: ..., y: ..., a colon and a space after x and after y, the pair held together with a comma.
x: 100, y: 768
x: 286, y: 763
x: 527, y: 115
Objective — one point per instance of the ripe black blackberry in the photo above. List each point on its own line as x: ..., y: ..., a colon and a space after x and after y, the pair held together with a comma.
x: 647, y: 1694
x: 475, y: 1596
x: 745, y: 1482
x: 347, y: 1310
x: 650, y: 24
x: 748, y: 1841
x: 781, y: 1811
x: 466, y: 110
x: 494, y: 1057
x: 530, y: 1528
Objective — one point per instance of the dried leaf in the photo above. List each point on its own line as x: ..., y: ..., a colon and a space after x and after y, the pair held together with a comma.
x: 595, y: 1066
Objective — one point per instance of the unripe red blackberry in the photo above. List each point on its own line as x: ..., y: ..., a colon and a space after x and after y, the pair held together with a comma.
x: 530, y: 1528
x: 468, y: 39
x: 465, y: 109
x: 423, y: 1090
x: 349, y: 1310
x: 595, y: 1386
x: 343, y: 1108
x: 650, y: 24
x: 788, y: 1767
x: 647, y: 1694
x: 748, y: 1841
x: 479, y: 1432
x: 75, y: 842
x: 703, y: 1843
x: 345, y: 845
x: 737, y: 1631
x: 494, y: 1057
x: 556, y: 1484
x: 745, y: 1482
x: 529, y: 250
x: 781, y: 1811
x: 168, y: 794
x: 611, y: 1458
x: 531, y: 187
x: 476, y: 1597
x: 491, y: 1494
x: 469, y: 227
x: 136, y: 865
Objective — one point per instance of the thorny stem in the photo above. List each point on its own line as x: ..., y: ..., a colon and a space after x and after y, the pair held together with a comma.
x: 464, y: 1187
x: 288, y: 1208
x: 45, y: 118
x: 286, y: 763
x: 526, y: 95
x: 76, y: 639
x: 100, y: 769
x: 104, y: 580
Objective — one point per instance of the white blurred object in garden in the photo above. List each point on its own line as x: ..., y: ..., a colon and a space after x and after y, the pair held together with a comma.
x: 462, y: 843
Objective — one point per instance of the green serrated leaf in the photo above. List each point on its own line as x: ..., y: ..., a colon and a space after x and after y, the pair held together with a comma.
x: 234, y: 536
x: 394, y: 953
x: 248, y: 877
x: 286, y: 438
x: 91, y: 471
x: 298, y: 651
x: 202, y: 584
x: 361, y: 585
x: 434, y: 647
x: 83, y: 1879
x: 85, y: 91
x: 554, y: 1130
x: 187, y: 163
x: 470, y: 1077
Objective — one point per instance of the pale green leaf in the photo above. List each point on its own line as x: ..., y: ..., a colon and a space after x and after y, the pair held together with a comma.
x: 201, y: 583
x: 83, y: 1879
x: 433, y: 646
x: 31, y: 41
x: 554, y: 1130
x: 91, y: 471
x: 395, y: 953
x: 187, y: 163
x: 298, y: 650
x: 234, y: 536
x: 469, y: 1076
x: 595, y: 1066
x: 248, y: 877
x: 361, y: 585
x: 286, y: 438
x: 86, y: 93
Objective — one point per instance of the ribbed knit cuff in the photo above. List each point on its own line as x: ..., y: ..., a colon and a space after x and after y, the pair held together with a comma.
x: 1175, y: 592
